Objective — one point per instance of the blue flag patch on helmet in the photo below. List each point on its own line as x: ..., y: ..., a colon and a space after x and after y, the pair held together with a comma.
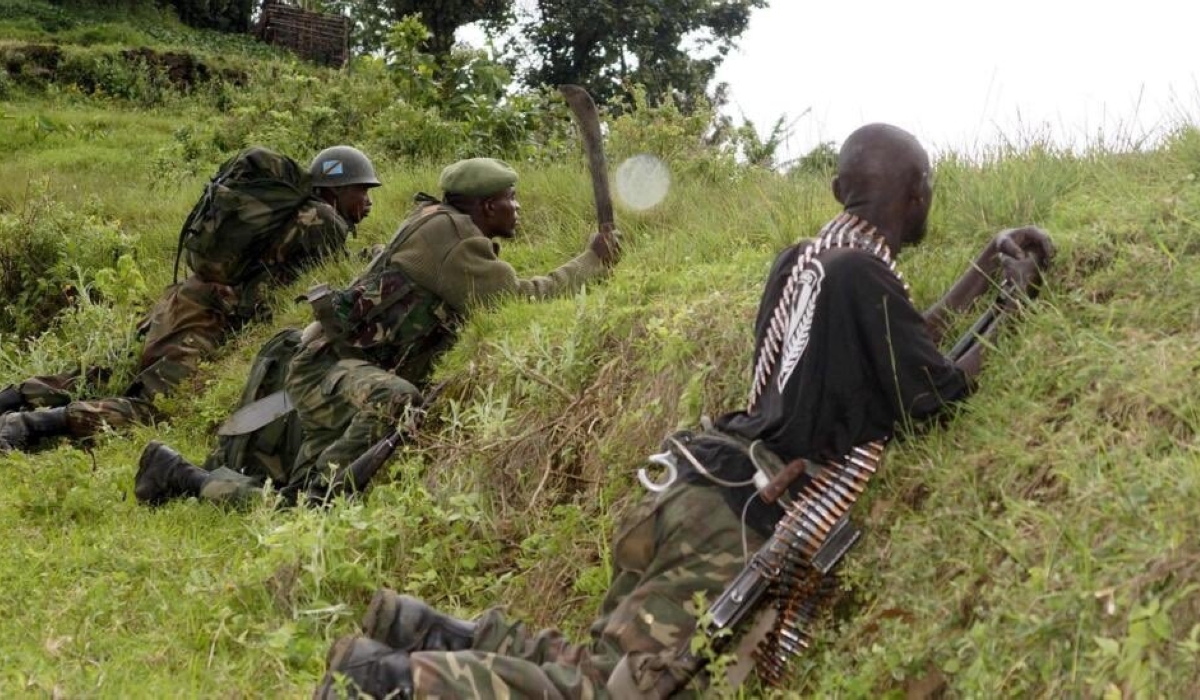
x: 332, y: 167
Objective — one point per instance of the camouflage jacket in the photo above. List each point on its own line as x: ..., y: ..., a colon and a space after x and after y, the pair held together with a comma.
x: 315, y: 232
x: 405, y: 309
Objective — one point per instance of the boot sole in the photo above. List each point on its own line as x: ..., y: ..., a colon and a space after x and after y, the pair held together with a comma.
x: 378, y: 621
x: 327, y: 690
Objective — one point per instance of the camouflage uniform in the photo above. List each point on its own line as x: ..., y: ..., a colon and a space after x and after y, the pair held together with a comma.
x: 669, y: 548
x: 857, y: 358
x: 350, y: 391
x: 188, y: 324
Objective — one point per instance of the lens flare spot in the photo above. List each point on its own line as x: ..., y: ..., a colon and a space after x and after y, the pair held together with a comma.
x: 642, y: 182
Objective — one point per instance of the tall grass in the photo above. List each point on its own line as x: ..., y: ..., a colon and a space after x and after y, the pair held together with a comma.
x: 1041, y: 543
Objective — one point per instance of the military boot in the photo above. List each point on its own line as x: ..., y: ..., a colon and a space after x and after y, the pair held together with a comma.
x: 21, y: 429
x: 369, y: 668
x: 11, y: 400
x: 407, y: 624
x: 164, y: 474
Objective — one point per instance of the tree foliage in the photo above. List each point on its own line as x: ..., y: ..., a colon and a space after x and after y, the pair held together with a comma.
x: 373, y: 19
x: 669, y: 46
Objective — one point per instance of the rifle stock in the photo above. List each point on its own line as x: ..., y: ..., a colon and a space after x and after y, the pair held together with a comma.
x: 354, y: 477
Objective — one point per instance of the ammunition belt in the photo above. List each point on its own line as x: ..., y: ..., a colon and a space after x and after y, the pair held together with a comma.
x: 844, y: 231
x: 800, y: 566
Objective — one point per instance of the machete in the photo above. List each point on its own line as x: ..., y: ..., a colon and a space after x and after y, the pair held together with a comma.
x: 255, y: 415
x: 588, y: 119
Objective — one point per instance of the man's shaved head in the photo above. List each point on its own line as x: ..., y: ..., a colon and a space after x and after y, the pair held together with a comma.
x: 883, y: 175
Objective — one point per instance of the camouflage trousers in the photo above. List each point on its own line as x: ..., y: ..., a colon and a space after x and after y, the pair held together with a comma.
x: 672, y: 546
x: 345, y: 406
x: 186, y: 326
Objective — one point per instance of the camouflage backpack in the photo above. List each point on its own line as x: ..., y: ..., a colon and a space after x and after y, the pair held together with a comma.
x: 270, y: 450
x: 386, y: 318
x: 244, y: 207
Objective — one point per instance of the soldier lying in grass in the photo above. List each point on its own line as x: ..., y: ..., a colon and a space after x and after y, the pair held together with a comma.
x: 196, y: 316
x: 363, y: 363
x: 841, y: 357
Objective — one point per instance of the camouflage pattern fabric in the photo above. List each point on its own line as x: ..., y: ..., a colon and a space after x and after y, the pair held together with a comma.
x: 47, y: 391
x: 242, y: 213
x: 187, y: 325
x: 315, y: 232
x: 270, y: 450
x: 345, y: 406
x: 388, y: 320
x: 669, y: 548
x: 87, y: 418
x: 399, y: 315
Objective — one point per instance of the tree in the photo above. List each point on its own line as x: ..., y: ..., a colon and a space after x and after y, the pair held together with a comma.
x: 821, y: 160
x: 374, y: 18
x: 669, y: 46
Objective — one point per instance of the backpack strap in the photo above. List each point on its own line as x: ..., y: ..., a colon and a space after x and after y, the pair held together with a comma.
x: 187, y: 225
x: 200, y: 207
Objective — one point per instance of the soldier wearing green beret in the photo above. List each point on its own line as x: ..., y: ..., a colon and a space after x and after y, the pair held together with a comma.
x: 195, y: 317
x: 372, y: 348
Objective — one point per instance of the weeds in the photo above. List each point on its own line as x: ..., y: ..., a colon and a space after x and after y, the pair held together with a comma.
x: 1040, y: 543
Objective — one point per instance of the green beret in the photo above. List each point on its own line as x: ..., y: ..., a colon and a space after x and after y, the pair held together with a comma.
x: 477, y: 177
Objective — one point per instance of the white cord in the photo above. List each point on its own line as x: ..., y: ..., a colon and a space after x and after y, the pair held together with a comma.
x: 705, y: 472
x: 745, y: 541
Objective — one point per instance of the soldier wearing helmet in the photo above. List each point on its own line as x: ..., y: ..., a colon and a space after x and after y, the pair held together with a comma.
x: 368, y: 356
x: 343, y: 177
x: 195, y: 316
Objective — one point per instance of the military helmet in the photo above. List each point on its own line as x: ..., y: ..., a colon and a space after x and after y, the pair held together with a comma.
x: 339, y: 166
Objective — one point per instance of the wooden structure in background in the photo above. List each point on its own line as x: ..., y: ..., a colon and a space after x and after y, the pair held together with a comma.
x: 312, y: 35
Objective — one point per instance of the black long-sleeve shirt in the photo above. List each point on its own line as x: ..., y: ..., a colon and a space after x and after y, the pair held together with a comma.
x: 856, y: 359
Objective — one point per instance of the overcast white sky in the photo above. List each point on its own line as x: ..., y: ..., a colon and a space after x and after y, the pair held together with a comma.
x: 965, y: 74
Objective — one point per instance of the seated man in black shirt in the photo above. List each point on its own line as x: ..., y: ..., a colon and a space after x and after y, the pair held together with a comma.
x: 841, y: 357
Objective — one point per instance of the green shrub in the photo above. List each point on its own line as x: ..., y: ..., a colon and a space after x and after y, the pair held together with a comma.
x: 50, y: 256
x: 36, y: 15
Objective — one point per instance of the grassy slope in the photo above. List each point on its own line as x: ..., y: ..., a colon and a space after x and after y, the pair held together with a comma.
x: 1042, y: 543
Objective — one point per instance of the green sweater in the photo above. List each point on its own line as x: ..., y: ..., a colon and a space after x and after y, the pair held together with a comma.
x: 448, y: 255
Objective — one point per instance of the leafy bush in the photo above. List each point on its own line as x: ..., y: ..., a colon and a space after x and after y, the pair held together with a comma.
x: 34, y: 14
x: 109, y: 74
x: 90, y: 335
x: 686, y: 140
x: 50, y: 256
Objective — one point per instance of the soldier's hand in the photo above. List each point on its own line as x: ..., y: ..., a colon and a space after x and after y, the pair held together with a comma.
x: 1031, y: 240
x: 606, y: 244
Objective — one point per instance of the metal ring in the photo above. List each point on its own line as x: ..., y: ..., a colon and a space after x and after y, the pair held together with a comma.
x: 665, y: 460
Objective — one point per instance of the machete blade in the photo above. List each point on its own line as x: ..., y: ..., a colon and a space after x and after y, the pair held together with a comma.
x: 255, y: 415
x: 588, y: 119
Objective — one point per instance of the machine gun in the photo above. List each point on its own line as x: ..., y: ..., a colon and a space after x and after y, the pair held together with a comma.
x: 796, y: 568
